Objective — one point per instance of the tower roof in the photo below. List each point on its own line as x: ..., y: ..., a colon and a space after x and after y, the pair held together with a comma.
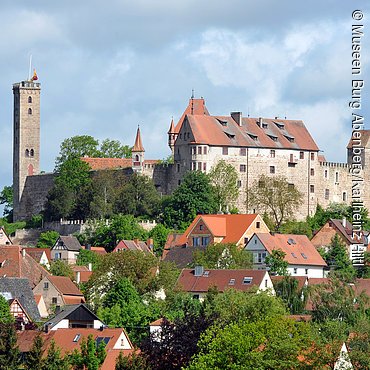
x: 138, y: 147
x: 172, y: 128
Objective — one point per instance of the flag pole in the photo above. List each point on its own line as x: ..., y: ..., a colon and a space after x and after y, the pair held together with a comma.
x: 29, y: 71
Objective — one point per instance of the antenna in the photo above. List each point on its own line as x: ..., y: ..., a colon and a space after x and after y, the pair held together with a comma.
x: 248, y: 112
x: 30, y: 68
x: 192, y: 93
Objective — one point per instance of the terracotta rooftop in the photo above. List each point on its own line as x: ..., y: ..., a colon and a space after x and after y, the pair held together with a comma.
x: 222, y: 279
x: 36, y: 253
x: 138, y: 146
x: 14, y: 264
x: 65, y: 285
x: 113, y: 163
x: 365, y: 135
x: 253, y: 132
x: 133, y: 245
x: 298, y: 249
x: 346, y: 230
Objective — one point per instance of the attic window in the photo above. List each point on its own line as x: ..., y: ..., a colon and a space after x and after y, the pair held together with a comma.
x: 76, y: 338
x: 289, y: 138
x: 265, y: 125
x: 206, y: 273
x: 223, y: 123
x: 293, y: 254
x: 247, y: 280
x: 291, y: 241
x: 279, y: 125
x: 304, y: 256
x: 102, y: 339
x: 229, y: 135
x: 253, y: 137
x: 273, y: 138
x: 232, y: 282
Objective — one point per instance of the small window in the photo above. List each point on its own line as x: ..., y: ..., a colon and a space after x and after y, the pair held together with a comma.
x: 46, y: 285
x: 301, y: 155
x: 232, y: 282
x: 193, y: 166
x: 199, y: 150
x: 32, y: 153
x: 312, y: 171
x: 272, y: 169
x: 272, y: 153
x: 204, y: 166
x: 312, y: 188
x: 243, y: 152
x: 247, y: 280
x: 30, y: 111
x: 294, y: 270
x: 200, y: 227
x: 239, y: 183
x: 304, y: 256
x: 27, y: 153
x: 205, y: 150
x: 205, y: 240
x: 54, y: 300
x: 225, y: 150
x: 30, y: 99
x: 266, y: 283
x: 245, y: 240
x: 199, y: 166
x: 76, y: 338
x: 243, y: 168
x: 193, y: 150
x: 258, y: 224
x: 196, y: 241
x: 178, y: 167
x: 306, y: 271
x: 336, y: 177
x: 344, y: 197
x: 326, y: 174
x: 326, y: 193
x: 312, y: 156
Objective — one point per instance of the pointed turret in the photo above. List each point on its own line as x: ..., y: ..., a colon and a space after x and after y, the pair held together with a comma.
x: 138, y: 153
x: 171, y: 136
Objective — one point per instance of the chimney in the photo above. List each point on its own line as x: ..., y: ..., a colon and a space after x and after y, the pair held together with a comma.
x: 89, y: 266
x: 23, y: 253
x: 150, y: 244
x: 78, y: 277
x: 344, y: 222
x: 237, y: 117
x: 259, y: 122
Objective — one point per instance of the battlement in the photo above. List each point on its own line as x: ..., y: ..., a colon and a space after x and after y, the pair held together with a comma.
x: 334, y: 164
x: 27, y: 85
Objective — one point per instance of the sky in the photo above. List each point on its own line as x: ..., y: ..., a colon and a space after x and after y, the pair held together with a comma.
x: 107, y: 67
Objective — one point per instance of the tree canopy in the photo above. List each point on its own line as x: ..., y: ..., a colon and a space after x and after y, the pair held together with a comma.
x: 6, y: 198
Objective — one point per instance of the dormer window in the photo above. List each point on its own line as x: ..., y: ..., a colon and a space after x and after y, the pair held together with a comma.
x: 289, y: 138
x: 279, y: 125
x: 247, y: 280
x: 223, y: 123
x: 291, y: 241
x: 273, y: 138
x: 265, y: 125
x: 232, y: 282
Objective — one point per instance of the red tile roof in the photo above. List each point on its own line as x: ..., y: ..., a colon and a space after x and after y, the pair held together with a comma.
x: 36, y: 253
x: 97, y: 250
x: 298, y: 248
x: 113, y: 163
x: 365, y: 135
x: 14, y: 264
x: 224, y: 131
x: 138, y: 146
x: 65, y: 285
x: 222, y: 279
x: 133, y: 245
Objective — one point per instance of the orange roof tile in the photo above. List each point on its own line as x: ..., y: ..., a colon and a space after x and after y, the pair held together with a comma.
x: 138, y: 146
x: 72, y: 299
x: 65, y: 285
x: 172, y: 128
x: 195, y: 106
x: 222, y: 279
x: 298, y: 249
x: 365, y: 136
x: 107, y: 163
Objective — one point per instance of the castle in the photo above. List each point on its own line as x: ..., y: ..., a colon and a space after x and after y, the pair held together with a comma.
x: 254, y: 146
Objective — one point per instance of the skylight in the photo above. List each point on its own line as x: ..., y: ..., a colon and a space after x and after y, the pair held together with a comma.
x: 304, y: 256
x: 293, y: 254
x: 76, y: 338
x: 232, y: 282
x: 247, y: 280
x: 291, y: 241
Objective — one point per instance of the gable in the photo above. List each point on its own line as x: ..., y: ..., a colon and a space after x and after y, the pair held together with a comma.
x: 81, y: 313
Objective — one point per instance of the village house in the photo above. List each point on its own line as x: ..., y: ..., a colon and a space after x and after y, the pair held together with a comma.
x: 40, y: 255
x: 302, y: 257
x: 199, y: 280
x: 343, y: 228
x: 58, y: 291
x: 4, y: 238
x: 74, y: 316
x: 41, y: 306
x: 66, y: 248
x: 212, y: 229
x: 116, y: 342
x: 16, y: 262
x: 134, y: 245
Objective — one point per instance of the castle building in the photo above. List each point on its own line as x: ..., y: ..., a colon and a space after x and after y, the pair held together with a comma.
x: 26, y: 137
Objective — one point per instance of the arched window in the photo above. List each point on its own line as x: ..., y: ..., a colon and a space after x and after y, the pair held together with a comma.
x: 32, y: 153
x: 30, y: 99
x: 27, y: 153
x: 29, y: 110
x: 137, y: 158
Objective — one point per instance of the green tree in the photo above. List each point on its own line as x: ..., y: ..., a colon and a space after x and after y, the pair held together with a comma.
x: 77, y: 147
x: 61, y: 268
x: 275, y: 196
x: 134, y: 361
x: 159, y: 233
x: 6, y: 198
x: 138, y: 197
x: 9, y: 352
x: 54, y: 359
x: 34, y: 358
x: 277, y: 263
x: 114, y: 149
x: 5, y: 315
x: 224, y: 179
x: 47, y: 239
x: 194, y: 196
x: 273, y: 343
x: 297, y: 228
x: 86, y: 256
x: 222, y: 256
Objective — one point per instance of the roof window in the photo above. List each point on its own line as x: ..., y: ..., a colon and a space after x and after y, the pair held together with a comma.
x: 232, y: 282
x: 304, y: 256
x: 279, y: 125
x: 291, y: 241
x: 273, y: 138
x: 247, y: 280
x: 76, y: 338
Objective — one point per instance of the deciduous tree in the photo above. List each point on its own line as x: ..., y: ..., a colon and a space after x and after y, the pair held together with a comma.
x: 276, y: 262
x: 6, y: 198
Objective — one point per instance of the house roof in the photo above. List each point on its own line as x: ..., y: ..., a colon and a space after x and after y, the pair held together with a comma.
x: 365, y: 135
x: 132, y: 245
x: 15, y: 264
x: 222, y: 279
x: 138, y: 146
x: 70, y: 242
x: 181, y: 256
x: 298, y: 249
x: 273, y: 133
x: 68, y: 310
x: 65, y: 285
x: 20, y: 289
x: 65, y: 339
x: 345, y: 231
x: 36, y: 253
x: 113, y: 163
x: 363, y: 285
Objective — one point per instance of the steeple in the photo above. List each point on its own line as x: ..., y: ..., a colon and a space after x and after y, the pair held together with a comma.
x: 138, y: 153
x: 171, y: 136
